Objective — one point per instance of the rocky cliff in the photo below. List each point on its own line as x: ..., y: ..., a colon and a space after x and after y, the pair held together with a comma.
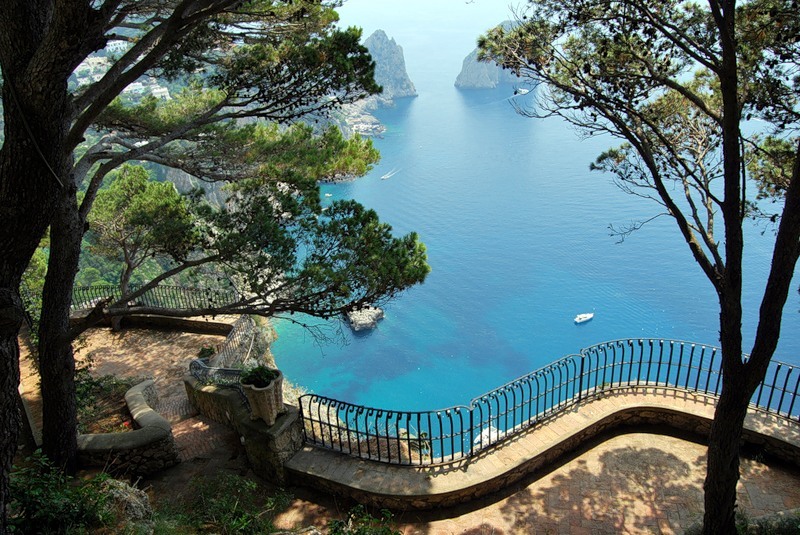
x: 390, y: 73
x: 484, y: 75
x: 390, y: 66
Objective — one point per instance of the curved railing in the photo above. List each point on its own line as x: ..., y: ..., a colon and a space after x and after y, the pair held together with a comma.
x: 219, y: 368
x: 459, y: 432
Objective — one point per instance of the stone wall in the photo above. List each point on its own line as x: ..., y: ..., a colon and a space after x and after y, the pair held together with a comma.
x: 267, y: 447
x: 773, y: 436
x: 143, y: 451
x: 200, y: 324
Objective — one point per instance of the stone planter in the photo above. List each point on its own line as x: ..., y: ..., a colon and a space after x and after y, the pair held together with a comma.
x: 267, y: 402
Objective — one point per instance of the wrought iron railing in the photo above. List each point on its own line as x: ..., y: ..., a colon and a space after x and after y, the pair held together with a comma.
x: 459, y: 432
x: 221, y: 367
x: 162, y: 296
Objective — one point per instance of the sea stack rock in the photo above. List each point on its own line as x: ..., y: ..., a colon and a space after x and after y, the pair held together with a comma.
x: 365, y: 318
x: 484, y: 75
x: 390, y: 73
x: 390, y: 66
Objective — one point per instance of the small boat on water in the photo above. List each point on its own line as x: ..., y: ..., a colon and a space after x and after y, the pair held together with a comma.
x: 583, y: 318
x: 390, y: 174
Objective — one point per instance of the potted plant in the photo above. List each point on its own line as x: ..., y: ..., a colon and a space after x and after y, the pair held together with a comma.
x: 263, y: 387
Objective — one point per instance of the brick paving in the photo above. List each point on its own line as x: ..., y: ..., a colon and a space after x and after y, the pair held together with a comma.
x: 161, y: 355
x: 198, y: 437
x: 635, y: 482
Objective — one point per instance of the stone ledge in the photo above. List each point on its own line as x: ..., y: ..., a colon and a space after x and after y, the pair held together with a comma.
x: 409, y: 487
x: 142, y: 451
x: 197, y: 324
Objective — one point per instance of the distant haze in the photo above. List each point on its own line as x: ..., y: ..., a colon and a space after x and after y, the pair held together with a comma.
x: 435, y: 35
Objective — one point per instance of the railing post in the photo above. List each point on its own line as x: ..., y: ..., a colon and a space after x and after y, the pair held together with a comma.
x: 580, y: 381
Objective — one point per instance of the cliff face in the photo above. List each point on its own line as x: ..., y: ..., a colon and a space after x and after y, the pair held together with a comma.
x: 482, y: 75
x: 390, y: 66
x: 390, y: 73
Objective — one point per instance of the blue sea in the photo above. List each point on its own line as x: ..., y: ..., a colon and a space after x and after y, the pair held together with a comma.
x: 517, y: 232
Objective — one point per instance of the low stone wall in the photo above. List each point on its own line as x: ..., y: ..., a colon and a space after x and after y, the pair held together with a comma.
x: 267, y: 447
x: 200, y: 324
x: 143, y: 451
x: 413, y: 487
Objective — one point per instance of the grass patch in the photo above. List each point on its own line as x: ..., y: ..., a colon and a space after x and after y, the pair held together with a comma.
x: 360, y: 522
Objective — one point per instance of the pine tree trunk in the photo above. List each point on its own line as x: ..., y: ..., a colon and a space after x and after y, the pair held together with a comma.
x: 10, y: 320
x: 28, y: 190
x: 57, y: 364
x: 124, y: 289
x: 722, y: 472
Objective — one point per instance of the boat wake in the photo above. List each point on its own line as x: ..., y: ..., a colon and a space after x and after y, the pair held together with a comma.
x: 390, y: 174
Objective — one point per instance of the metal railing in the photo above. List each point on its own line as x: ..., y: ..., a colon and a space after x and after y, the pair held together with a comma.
x: 162, y: 296
x: 459, y: 432
x: 220, y: 368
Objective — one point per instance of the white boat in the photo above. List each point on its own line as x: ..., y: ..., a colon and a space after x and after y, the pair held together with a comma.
x: 582, y: 318
x: 329, y: 194
x: 522, y: 91
x: 390, y: 174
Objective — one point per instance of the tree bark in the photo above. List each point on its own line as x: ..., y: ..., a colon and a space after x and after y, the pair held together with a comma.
x: 722, y: 472
x: 30, y: 153
x: 11, y: 317
x: 124, y: 288
x: 56, y: 361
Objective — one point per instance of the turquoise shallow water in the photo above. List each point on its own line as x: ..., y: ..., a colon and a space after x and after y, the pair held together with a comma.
x: 517, y: 233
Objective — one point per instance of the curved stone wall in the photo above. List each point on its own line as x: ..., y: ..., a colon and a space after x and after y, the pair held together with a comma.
x: 145, y: 450
x: 413, y: 487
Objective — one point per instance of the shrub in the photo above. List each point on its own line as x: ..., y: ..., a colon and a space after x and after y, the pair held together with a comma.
x: 360, y: 522
x: 231, y: 504
x: 94, y: 396
x: 259, y: 376
x: 44, y: 500
x: 205, y: 352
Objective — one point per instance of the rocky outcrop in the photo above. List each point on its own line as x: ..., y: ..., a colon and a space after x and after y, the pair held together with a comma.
x: 482, y: 74
x: 365, y: 318
x: 390, y: 66
x: 391, y: 75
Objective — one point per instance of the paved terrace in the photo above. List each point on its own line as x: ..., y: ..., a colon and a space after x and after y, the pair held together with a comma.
x: 414, y: 487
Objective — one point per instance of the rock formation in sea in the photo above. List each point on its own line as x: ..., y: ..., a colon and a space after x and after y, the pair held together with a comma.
x: 484, y: 75
x: 390, y: 66
x: 365, y: 318
x: 391, y: 74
